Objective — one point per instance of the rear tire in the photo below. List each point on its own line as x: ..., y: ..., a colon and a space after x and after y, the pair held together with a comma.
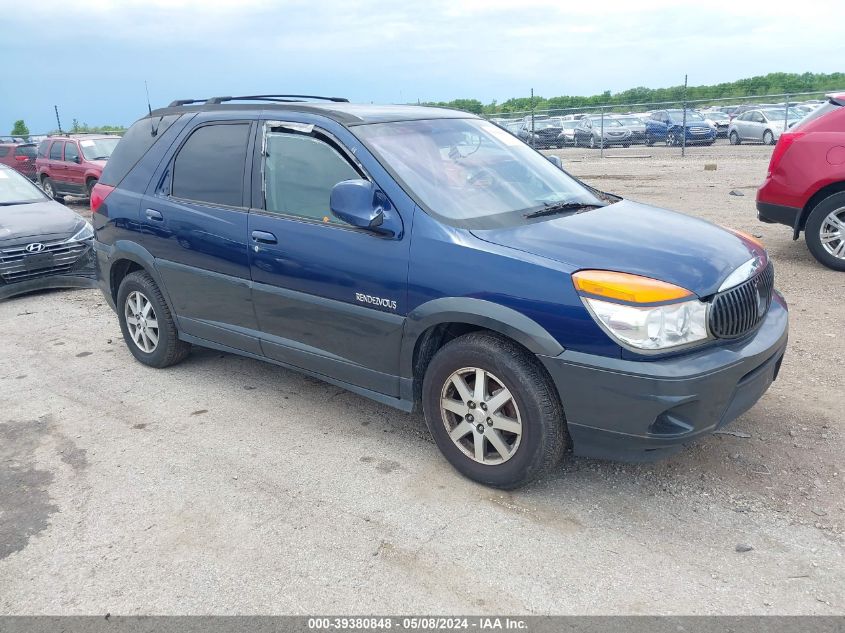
x: 90, y: 184
x: 524, y: 419
x: 50, y: 189
x: 821, y: 229
x: 157, y: 344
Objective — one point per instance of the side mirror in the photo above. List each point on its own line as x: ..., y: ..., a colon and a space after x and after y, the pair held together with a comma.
x: 555, y: 160
x: 77, y: 160
x: 361, y: 204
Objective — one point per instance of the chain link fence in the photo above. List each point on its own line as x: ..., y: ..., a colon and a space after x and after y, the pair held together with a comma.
x: 684, y: 125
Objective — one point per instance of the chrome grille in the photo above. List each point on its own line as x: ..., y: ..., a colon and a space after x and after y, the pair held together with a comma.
x: 739, y: 310
x: 65, y: 255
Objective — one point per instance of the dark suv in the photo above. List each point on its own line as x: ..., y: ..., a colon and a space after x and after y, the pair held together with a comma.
x: 72, y: 165
x: 424, y: 257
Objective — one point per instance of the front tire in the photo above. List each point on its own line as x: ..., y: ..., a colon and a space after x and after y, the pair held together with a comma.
x: 825, y: 231
x: 147, y: 325
x: 493, y: 411
x: 768, y: 138
x: 92, y: 182
x: 734, y: 139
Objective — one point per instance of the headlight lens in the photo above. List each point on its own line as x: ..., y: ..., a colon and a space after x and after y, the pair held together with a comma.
x: 652, y: 327
x: 680, y: 319
x: 85, y: 233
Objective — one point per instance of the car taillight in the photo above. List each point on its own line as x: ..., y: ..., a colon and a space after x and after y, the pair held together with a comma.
x: 784, y: 143
x: 21, y: 159
x: 99, y: 194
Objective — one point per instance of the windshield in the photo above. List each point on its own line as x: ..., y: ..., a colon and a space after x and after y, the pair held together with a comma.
x: 469, y: 172
x: 15, y: 189
x: 678, y: 116
x: 715, y: 116
x: 607, y: 122
x: 98, y: 148
x: 777, y: 114
x: 630, y: 120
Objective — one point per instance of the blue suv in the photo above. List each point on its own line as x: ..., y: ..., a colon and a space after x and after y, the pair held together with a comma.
x: 426, y: 258
x: 668, y: 126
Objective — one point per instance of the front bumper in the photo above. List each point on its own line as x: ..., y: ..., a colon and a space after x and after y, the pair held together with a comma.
x: 644, y: 410
x: 81, y: 274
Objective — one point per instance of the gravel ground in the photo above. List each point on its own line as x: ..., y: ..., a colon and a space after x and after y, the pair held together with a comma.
x: 225, y: 485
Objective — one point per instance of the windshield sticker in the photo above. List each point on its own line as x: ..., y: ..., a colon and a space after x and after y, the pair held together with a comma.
x: 87, y: 143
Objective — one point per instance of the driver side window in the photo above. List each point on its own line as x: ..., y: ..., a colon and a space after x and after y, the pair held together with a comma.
x: 71, y: 152
x: 299, y: 174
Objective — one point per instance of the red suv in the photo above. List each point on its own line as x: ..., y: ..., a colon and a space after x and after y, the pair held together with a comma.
x: 72, y: 165
x: 20, y: 157
x: 805, y: 184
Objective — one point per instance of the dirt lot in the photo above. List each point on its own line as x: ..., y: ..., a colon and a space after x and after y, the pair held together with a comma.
x: 228, y: 485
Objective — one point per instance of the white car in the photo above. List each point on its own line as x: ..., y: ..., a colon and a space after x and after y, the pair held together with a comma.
x: 761, y: 126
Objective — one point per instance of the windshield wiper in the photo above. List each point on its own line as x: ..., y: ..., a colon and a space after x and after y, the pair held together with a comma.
x: 560, y: 207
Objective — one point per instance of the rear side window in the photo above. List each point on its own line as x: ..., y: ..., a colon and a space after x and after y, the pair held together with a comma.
x: 299, y: 173
x: 42, y: 149
x: 210, y: 165
x: 135, y: 143
x: 4, y: 150
x: 25, y: 150
x: 56, y: 150
x: 71, y: 152
x: 830, y: 106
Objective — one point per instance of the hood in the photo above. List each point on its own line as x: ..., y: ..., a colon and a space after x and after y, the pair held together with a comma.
x: 634, y: 238
x: 46, y: 219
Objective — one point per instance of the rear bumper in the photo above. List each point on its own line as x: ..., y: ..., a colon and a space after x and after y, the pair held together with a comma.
x: 644, y: 410
x: 779, y: 214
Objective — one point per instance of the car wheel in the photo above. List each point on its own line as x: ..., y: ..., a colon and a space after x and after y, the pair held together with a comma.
x: 493, y: 411
x: 671, y: 139
x: 647, y: 142
x: 575, y: 142
x: 768, y: 138
x: 825, y: 231
x: 92, y: 182
x: 50, y: 189
x: 733, y: 139
x: 147, y: 325
x: 592, y: 142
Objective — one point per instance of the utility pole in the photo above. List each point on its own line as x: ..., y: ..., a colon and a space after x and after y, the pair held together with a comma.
x: 56, y: 108
x: 684, y: 131
x: 532, y: 117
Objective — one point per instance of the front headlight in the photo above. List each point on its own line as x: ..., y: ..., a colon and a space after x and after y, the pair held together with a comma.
x: 85, y: 233
x: 652, y: 328
x: 679, y: 319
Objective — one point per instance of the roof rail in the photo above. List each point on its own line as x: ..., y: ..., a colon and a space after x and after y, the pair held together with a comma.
x: 274, y: 98
x: 280, y: 98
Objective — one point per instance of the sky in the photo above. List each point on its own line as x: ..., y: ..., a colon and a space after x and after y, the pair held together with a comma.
x: 91, y: 57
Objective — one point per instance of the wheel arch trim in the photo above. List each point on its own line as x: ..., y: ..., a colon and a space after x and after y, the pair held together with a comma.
x: 134, y: 252
x: 471, y: 311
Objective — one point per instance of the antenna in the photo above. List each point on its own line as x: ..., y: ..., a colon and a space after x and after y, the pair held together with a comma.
x: 153, y: 129
x: 147, y: 90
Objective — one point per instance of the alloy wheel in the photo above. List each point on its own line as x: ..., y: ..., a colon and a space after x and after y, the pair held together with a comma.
x: 832, y: 233
x: 48, y: 188
x: 141, y: 321
x: 481, y: 416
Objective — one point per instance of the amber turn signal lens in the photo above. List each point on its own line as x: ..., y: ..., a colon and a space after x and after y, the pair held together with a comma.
x: 627, y: 287
x: 745, y: 236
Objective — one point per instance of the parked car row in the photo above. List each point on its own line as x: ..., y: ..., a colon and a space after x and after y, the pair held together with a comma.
x: 761, y: 123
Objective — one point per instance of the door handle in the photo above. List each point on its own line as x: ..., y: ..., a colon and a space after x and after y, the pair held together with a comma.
x: 152, y: 214
x: 263, y: 237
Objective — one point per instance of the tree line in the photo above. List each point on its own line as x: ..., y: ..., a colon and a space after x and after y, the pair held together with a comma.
x: 771, y: 84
